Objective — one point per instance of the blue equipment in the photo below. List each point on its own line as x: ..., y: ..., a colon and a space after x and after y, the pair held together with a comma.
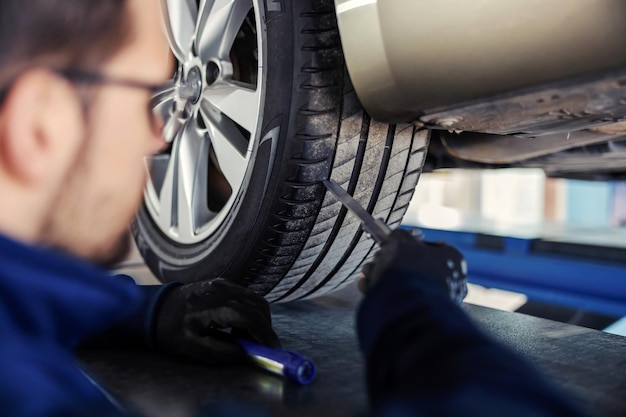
x: 291, y: 365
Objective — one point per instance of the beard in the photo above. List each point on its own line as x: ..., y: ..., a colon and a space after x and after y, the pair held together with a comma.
x: 91, y: 245
x: 88, y: 223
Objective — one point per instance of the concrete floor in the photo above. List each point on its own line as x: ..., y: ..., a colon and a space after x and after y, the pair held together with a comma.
x: 588, y: 364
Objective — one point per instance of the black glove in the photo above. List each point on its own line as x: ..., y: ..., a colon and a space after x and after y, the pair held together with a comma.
x: 202, y: 321
x: 402, y: 252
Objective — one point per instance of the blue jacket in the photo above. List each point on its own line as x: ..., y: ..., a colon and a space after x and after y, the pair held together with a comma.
x: 424, y: 357
x: 49, y: 302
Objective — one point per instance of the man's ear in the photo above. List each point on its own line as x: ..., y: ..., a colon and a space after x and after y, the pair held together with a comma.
x: 42, y: 126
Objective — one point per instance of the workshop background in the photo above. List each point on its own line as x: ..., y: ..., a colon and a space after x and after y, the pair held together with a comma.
x: 582, y: 220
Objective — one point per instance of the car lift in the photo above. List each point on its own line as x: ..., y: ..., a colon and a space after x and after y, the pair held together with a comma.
x: 584, y: 276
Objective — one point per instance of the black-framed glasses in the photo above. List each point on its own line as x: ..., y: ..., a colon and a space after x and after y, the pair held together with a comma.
x: 95, y: 78
x: 88, y: 77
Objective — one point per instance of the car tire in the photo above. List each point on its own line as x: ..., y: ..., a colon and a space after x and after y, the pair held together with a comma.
x: 283, y: 235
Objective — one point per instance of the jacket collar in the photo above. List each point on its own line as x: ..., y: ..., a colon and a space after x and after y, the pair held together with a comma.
x: 50, y: 295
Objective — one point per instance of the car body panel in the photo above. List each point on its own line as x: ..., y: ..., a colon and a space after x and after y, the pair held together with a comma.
x: 407, y: 58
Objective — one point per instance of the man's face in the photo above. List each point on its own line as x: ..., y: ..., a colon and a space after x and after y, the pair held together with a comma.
x: 102, y: 192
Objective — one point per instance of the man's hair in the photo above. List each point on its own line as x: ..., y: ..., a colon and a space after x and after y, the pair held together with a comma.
x: 59, y: 34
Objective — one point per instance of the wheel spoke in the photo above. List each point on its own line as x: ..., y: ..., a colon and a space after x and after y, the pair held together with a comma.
x: 193, y: 160
x: 218, y: 25
x: 238, y: 103
x: 183, y: 194
x: 229, y: 145
x: 167, y: 206
x: 163, y: 97
x: 180, y: 18
x: 162, y: 106
x: 172, y: 126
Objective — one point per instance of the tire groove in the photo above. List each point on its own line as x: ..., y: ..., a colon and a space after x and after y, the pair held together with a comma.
x: 382, y: 174
x: 278, y: 283
x: 365, y: 124
x: 411, y: 155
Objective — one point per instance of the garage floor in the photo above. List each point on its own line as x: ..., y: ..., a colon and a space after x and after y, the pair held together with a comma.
x: 589, y: 364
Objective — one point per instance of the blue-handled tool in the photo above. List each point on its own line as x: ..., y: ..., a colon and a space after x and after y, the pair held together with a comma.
x: 291, y: 365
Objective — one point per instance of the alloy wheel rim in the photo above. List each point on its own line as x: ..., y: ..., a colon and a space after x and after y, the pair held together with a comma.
x: 211, y: 113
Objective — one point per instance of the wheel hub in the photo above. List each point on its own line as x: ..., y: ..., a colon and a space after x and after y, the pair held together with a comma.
x: 191, y: 87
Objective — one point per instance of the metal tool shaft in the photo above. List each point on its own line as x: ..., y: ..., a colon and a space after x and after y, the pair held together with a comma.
x: 375, y: 227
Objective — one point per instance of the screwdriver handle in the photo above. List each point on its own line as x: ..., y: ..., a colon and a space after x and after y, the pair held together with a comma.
x: 291, y: 365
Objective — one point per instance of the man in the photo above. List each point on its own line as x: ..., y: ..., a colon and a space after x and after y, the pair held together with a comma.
x: 76, y: 78
x: 75, y: 83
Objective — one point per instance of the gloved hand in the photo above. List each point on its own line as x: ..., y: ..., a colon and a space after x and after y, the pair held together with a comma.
x: 438, y: 262
x: 202, y: 320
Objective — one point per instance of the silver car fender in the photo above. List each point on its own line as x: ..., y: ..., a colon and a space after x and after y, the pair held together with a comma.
x: 407, y: 58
